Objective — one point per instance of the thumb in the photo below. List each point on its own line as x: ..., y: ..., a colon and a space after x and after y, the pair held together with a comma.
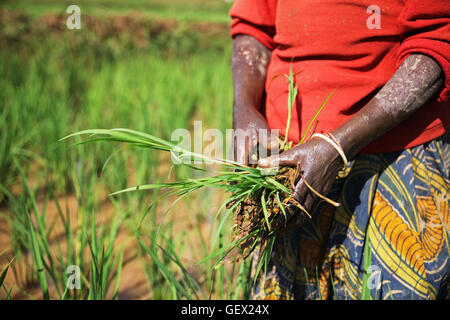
x: 286, y: 158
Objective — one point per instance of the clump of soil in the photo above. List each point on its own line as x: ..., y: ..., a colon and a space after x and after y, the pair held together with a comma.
x: 249, y: 215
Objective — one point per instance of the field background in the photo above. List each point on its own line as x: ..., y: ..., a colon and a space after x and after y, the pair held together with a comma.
x: 148, y: 65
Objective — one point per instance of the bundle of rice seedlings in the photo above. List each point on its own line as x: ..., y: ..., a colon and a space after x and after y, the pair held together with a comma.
x: 264, y: 213
x: 262, y: 203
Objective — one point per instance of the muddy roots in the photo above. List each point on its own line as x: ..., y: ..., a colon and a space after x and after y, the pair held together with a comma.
x: 249, y: 215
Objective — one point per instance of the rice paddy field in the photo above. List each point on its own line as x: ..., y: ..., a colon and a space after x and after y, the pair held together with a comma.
x: 149, y: 65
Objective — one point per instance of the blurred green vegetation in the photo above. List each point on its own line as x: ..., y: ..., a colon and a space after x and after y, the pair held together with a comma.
x: 128, y: 70
x: 140, y: 74
x: 189, y: 10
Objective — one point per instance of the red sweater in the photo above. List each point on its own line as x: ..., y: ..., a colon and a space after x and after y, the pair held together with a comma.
x: 333, y: 47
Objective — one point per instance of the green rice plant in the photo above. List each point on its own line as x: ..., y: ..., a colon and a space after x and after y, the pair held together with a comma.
x: 292, y: 95
x: 318, y: 283
x: 365, y: 293
x: 48, y: 265
x: 390, y: 292
x: 239, y: 180
x: 333, y: 285
x: 250, y: 179
x: 184, y: 287
x: 2, y: 279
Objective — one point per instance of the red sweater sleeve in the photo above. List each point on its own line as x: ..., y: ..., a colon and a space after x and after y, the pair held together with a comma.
x: 425, y: 28
x: 255, y: 18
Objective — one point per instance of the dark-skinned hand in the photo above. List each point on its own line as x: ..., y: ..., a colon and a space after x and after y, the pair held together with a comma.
x: 319, y: 164
x: 248, y: 123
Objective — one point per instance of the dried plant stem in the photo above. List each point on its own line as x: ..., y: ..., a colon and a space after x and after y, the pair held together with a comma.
x: 333, y: 203
x: 297, y: 204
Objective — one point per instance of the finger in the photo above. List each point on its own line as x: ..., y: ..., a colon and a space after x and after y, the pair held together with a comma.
x: 300, y: 192
x: 309, y: 201
x: 286, y: 158
x: 241, y: 146
x: 241, y: 154
x: 253, y: 148
x: 268, y: 139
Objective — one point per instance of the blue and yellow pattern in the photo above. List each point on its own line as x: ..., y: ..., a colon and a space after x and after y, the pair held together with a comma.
x: 389, y: 239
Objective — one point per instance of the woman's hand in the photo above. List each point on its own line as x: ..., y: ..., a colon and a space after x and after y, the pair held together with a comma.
x: 251, y: 129
x: 418, y: 79
x: 319, y: 164
x: 249, y: 63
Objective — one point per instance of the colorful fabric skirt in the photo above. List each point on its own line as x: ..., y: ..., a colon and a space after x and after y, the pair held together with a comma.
x: 389, y: 238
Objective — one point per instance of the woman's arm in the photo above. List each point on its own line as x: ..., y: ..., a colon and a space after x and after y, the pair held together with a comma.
x: 417, y: 79
x: 249, y: 65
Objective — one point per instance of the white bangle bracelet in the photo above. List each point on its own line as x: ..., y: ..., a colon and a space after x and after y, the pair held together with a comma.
x: 335, y: 145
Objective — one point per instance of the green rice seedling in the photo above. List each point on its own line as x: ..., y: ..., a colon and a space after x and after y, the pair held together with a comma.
x: 249, y: 179
x: 390, y: 292
x: 242, y: 182
x: 285, y: 178
x: 365, y: 293
x: 2, y: 279
x: 292, y: 95
x: 333, y: 285
x: 102, y: 259
x: 187, y: 287
x: 33, y: 236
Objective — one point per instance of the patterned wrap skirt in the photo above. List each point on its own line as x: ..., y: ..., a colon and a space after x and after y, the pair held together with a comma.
x: 389, y: 238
